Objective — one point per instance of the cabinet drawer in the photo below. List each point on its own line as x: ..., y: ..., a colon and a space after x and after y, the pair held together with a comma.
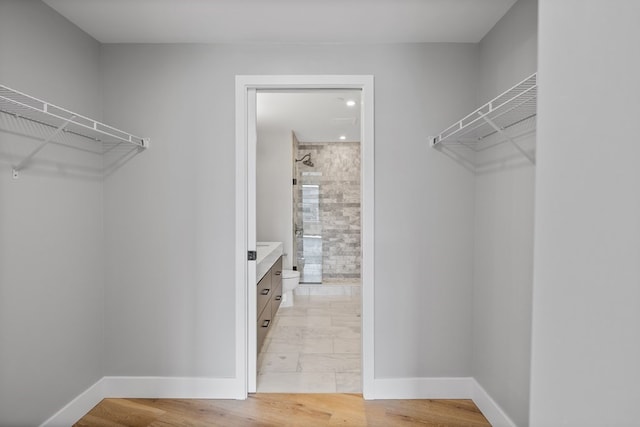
x: 276, y: 273
x: 264, y: 325
x: 276, y: 300
x: 264, y: 292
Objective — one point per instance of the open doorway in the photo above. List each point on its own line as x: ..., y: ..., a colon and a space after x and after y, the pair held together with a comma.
x: 246, y: 238
x: 308, y: 203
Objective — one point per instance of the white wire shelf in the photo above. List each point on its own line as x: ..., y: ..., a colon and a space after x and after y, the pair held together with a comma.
x: 503, y: 119
x: 23, y: 106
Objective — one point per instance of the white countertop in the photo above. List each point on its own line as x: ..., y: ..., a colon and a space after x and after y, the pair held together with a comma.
x: 268, y: 254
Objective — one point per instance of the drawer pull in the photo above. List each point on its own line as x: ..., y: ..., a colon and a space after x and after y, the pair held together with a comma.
x: 278, y: 297
x: 278, y: 273
x: 265, y: 324
x: 265, y: 292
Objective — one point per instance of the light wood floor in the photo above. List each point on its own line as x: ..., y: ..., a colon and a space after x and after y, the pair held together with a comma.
x: 284, y: 410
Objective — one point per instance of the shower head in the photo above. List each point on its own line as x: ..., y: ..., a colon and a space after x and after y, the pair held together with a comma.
x: 306, y: 160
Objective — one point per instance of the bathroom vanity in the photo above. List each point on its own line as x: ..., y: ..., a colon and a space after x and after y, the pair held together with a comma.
x: 269, y: 286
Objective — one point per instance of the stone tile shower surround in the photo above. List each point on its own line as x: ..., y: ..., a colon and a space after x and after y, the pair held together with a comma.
x: 337, y: 172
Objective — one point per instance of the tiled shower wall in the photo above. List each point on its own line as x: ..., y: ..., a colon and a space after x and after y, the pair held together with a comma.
x: 337, y: 171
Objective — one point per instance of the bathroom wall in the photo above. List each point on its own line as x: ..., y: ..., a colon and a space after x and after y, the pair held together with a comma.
x: 586, y: 302
x: 170, y: 216
x: 504, y: 213
x: 51, y: 245
x: 337, y: 171
x: 274, y: 192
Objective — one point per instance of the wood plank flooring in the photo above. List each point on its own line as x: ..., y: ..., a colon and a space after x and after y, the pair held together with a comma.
x: 265, y: 409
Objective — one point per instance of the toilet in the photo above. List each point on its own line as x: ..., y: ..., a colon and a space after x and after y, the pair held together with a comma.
x: 290, y: 281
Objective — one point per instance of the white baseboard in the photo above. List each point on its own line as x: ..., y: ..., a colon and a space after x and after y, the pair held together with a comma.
x: 229, y: 388
x: 422, y: 388
x: 145, y: 387
x: 173, y: 387
x: 489, y: 408
x: 324, y: 290
x: 442, y: 388
x: 78, y: 407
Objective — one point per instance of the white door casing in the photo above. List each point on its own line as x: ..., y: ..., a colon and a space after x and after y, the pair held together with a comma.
x: 245, y: 297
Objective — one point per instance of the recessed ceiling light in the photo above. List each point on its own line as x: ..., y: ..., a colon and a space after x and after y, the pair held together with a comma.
x: 351, y: 103
x: 342, y: 137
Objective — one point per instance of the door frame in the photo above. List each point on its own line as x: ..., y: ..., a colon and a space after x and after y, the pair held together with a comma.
x: 245, y: 271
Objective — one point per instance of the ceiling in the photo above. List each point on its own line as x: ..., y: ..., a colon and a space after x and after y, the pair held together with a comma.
x: 314, y: 115
x: 318, y: 116
x: 283, y: 21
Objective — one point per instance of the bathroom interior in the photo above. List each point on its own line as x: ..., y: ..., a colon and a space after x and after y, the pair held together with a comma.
x: 308, y: 241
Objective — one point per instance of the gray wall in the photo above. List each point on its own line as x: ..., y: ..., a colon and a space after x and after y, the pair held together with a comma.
x: 169, y: 218
x: 504, y: 209
x: 586, y: 303
x: 51, y: 250
x: 509, y: 52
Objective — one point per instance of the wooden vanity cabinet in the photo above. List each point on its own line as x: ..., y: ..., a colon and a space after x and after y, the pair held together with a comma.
x: 268, y: 300
x: 264, y: 292
x: 276, y: 283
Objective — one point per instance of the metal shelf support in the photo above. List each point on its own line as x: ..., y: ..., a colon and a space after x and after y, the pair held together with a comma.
x: 508, y: 137
x: 17, y: 168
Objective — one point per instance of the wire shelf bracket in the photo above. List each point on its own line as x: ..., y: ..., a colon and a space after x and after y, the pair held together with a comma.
x: 23, y: 106
x: 496, y: 120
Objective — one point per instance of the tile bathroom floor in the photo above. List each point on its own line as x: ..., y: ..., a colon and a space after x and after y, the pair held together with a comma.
x: 314, y: 347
